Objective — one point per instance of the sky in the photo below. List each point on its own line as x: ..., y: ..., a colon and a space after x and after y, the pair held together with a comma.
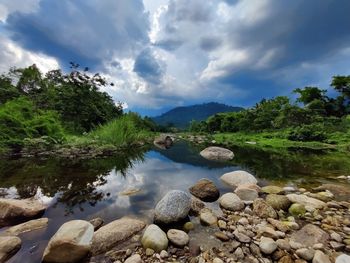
x: 166, y: 53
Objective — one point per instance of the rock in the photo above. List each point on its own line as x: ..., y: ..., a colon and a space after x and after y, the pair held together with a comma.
x: 222, y: 224
x: 324, y: 196
x: 231, y: 201
x: 339, y: 191
x: 205, y: 190
x: 337, y: 237
x: 207, y: 217
x: 272, y: 189
x: 267, y: 245
x: 154, y: 238
x: 297, y: 210
x: 247, y: 192
x: 320, y: 257
x: 14, y: 211
x: 163, y: 141
x: 188, y: 226
x: 310, y: 203
x: 173, y: 207
x: 278, y: 224
x: 289, y: 189
x: 278, y: 202
x: 262, y: 209
x: 114, y: 233
x: 194, y: 249
x: 217, y: 154
x: 221, y: 236
x: 134, y: 259
x: 310, y: 235
x: 343, y: 258
x: 196, y: 206
x: 337, y: 246
x: 96, y: 222
x: 241, y: 237
x: 266, y: 231
x: 27, y: 227
x: 71, y: 243
x: 9, y: 245
x: 286, y: 259
x: 178, y: 238
x: 237, y: 178
x: 149, y: 252
x: 163, y: 254
x: 304, y: 253
x: 283, y: 244
x: 218, y: 260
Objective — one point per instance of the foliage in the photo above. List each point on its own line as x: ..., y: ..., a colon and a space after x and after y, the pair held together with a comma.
x: 306, y: 133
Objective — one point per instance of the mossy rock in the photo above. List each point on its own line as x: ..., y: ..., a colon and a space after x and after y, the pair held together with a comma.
x: 272, y: 189
x: 278, y: 202
x: 297, y: 210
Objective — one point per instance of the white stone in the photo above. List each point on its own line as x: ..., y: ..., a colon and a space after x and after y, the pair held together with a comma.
x: 237, y: 178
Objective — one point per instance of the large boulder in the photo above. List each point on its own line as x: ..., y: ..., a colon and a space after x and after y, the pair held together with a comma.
x: 278, y: 202
x: 231, y: 201
x: 114, y: 233
x: 14, y: 211
x: 310, y: 203
x: 154, y: 238
x: 71, y: 243
x: 205, y: 190
x: 173, y: 207
x: 29, y: 226
x: 217, y: 154
x: 237, y: 178
x: 247, y: 192
x: 310, y: 235
x: 263, y: 210
x: 9, y: 245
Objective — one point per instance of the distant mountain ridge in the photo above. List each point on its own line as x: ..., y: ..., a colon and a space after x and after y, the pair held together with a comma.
x: 181, y: 117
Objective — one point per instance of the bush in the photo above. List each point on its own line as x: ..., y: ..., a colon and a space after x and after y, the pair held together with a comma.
x: 306, y: 133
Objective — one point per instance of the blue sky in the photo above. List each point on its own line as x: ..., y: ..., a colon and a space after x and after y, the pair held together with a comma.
x: 166, y: 53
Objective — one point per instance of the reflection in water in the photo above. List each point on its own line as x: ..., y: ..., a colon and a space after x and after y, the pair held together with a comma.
x: 86, y: 189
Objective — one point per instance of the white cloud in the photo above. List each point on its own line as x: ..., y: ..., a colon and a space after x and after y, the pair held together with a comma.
x: 23, y: 6
x: 13, y: 55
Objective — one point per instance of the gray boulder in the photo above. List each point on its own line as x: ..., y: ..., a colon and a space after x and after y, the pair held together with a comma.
x: 114, y: 233
x: 217, y: 154
x: 173, y: 207
x: 71, y: 243
x: 237, y: 178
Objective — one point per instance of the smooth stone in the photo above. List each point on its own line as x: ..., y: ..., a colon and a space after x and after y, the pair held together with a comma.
x: 297, y: 210
x: 173, y: 207
x: 205, y: 190
x: 178, y: 238
x: 263, y: 210
x: 283, y: 244
x: 242, y: 237
x: 310, y: 235
x: 266, y: 231
x: 343, y: 258
x: 289, y: 189
x: 154, y: 238
x: 231, y: 201
x: 96, y: 222
x: 207, y: 217
x: 237, y: 178
x: 247, y: 192
x: 163, y: 254
x: 221, y: 236
x: 310, y: 203
x: 71, y: 242
x: 305, y: 253
x: 337, y: 237
x: 217, y: 154
x: 14, y: 211
x: 149, y: 252
x: 9, y: 245
x: 320, y: 257
x: 272, y: 189
x: 267, y: 245
x: 27, y: 227
x: 218, y: 260
x: 323, y: 196
x: 114, y: 233
x: 188, y: 226
x: 286, y: 259
x: 134, y: 259
x: 278, y: 202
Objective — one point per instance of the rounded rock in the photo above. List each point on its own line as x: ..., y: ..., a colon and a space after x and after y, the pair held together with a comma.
x: 278, y: 202
x: 154, y: 238
x: 178, y: 238
x: 205, y: 190
x: 267, y: 245
x: 237, y: 178
x: 231, y: 201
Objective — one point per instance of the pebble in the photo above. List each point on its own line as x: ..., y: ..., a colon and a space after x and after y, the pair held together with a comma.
x: 163, y: 254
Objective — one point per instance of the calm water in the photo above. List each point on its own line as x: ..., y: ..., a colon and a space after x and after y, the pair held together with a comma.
x: 96, y: 188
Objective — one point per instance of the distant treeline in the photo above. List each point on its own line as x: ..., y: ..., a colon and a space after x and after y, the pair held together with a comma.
x: 309, y: 118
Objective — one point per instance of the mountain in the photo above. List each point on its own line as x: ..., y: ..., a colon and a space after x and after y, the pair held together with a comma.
x: 181, y: 117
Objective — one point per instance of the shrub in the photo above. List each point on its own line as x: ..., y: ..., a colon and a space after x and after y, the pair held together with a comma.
x: 305, y: 133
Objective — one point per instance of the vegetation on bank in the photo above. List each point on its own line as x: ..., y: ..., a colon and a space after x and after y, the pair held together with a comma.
x: 314, y: 120
x: 63, y: 109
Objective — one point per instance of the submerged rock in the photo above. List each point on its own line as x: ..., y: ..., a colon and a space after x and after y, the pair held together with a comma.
x: 237, y: 178
x: 27, y: 226
x: 9, y: 245
x: 231, y: 201
x: 154, y: 238
x: 207, y: 217
x: 71, y: 243
x: 205, y: 190
x: 114, y: 233
x: 217, y: 154
x: 173, y: 207
x: 13, y: 210
x: 178, y: 238
x: 310, y: 235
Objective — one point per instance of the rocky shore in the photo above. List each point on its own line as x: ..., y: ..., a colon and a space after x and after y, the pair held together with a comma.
x: 249, y: 223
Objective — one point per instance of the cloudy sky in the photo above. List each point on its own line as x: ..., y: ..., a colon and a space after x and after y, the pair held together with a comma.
x: 165, y: 53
